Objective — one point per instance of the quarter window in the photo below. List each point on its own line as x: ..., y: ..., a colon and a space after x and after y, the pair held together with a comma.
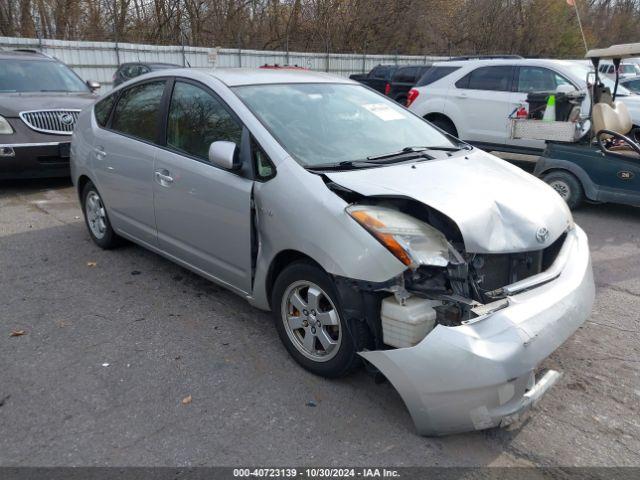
x: 197, y: 119
x: 434, y: 74
x: 103, y: 109
x: 496, y: 78
x: 137, y: 111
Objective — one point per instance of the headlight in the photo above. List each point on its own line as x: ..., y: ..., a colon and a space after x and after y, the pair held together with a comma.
x: 5, y: 128
x: 413, y: 242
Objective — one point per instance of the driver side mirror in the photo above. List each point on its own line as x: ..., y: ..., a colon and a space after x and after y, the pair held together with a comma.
x: 223, y: 154
x: 93, y: 85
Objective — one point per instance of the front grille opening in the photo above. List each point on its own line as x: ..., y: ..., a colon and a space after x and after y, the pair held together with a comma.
x: 59, y: 122
x: 494, y: 271
x: 550, y: 253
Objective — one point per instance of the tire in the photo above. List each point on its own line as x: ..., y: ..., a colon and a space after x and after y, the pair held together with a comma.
x: 446, y: 125
x: 567, y: 186
x: 97, y: 220
x: 294, y: 296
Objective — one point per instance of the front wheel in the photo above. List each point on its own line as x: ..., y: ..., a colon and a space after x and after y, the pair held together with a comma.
x: 567, y: 186
x: 311, y: 324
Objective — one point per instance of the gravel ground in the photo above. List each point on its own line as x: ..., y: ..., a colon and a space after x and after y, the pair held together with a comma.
x: 115, y: 341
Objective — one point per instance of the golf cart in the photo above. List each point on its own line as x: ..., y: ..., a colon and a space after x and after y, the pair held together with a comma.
x: 594, y: 157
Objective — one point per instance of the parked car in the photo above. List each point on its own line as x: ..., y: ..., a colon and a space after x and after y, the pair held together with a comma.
x: 127, y: 71
x: 403, y: 80
x: 473, y: 99
x: 631, y: 83
x: 367, y: 232
x: 377, y: 78
x: 40, y: 99
x: 625, y: 70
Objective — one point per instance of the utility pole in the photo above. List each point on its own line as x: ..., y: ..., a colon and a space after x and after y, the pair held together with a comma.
x: 115, y: 30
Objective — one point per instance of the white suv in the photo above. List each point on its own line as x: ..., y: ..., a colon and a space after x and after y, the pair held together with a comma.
x: 473, y: 99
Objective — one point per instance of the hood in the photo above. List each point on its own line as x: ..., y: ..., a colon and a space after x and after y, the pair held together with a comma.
x: 12, y: 104
x: 498, y: 207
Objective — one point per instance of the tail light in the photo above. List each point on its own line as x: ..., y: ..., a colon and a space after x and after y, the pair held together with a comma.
x: 411, y: 96
x: 387, y: 88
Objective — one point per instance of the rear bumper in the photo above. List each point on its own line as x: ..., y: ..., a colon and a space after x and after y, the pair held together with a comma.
x: 481, y: 375
x: 34, y: 160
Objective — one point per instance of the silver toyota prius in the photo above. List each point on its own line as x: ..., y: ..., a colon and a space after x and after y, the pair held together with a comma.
x: 371, y: 235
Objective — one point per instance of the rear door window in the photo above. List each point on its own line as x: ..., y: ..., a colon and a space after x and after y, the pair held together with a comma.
x: 138, y: 109
x: 434, y: 74
x: 495, y: 78
x: 197, y: 119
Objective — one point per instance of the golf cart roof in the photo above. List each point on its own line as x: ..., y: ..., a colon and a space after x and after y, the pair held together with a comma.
x: 624, y: 50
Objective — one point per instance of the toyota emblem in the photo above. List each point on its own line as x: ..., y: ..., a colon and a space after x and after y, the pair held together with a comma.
x: 542, y: 234
x: 66, y: 119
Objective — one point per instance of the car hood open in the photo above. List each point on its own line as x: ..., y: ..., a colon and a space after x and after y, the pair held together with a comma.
x: 498, y: 207
x: 12, y: 104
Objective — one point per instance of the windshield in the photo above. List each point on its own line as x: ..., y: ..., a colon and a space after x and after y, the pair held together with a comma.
x: 323, y: 124
x: 38, y: 76
x: 629, y: 69
x: 581, y: 70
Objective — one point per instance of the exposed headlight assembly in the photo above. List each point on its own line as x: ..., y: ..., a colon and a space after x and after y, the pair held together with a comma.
x: 5, y: 128
x: 412, y: 241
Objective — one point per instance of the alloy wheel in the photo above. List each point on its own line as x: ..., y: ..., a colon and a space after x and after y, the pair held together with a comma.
x: 96, y: 215
x: 311, y: 321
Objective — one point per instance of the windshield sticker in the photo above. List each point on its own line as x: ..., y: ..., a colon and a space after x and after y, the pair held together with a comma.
x: 383, y: 112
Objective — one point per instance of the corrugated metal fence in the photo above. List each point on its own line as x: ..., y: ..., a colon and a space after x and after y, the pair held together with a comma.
x: 99, y: 60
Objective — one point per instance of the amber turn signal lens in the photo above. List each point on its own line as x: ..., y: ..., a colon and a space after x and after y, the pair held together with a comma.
x: 373, y: 226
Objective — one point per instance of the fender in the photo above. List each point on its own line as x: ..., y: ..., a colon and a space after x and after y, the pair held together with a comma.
x: 545, y: 164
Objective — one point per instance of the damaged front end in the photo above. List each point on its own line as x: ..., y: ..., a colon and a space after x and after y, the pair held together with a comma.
x: 460, y: 334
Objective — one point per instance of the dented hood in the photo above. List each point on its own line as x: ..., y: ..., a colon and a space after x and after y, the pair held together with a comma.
x: 498, y: 207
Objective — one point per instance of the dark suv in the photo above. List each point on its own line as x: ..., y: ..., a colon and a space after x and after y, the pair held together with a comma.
x: 40, y: 99
x: 403, y: 80
x: 127, y: 71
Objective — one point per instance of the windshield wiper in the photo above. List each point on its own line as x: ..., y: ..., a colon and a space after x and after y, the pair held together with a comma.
x: 408, y: 151
x: 347, y: 164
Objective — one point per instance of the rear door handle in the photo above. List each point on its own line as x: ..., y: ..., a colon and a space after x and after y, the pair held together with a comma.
x: 163, y: 177
x: 462, y: 95
x: 100, y: 153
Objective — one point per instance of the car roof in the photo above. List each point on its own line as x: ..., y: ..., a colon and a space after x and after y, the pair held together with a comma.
x: 423, y: 65
x: 505, y: 61
x: 255, y: 76
x: 151, y: 64
x: 24, y: 55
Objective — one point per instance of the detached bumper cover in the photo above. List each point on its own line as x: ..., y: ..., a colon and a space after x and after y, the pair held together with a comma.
x: 481, y: 375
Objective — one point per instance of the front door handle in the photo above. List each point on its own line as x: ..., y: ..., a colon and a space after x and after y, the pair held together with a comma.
x: 163, y: 177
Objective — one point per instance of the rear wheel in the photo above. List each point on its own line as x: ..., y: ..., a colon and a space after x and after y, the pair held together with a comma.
x: 311, y: 324
x: 445, y: 124
x: 96, y: 218
x: 567, y: 186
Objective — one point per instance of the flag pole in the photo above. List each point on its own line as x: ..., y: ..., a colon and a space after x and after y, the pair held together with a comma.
x: 584, y: 40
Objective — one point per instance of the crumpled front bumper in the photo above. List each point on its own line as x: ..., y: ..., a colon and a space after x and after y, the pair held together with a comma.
x: 481, y: 375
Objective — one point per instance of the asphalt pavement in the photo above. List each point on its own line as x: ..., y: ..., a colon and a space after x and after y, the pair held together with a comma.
x: 127, y: 359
